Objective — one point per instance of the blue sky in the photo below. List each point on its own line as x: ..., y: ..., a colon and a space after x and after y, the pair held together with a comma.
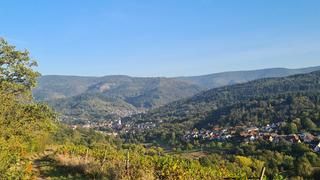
x: 163, y: 37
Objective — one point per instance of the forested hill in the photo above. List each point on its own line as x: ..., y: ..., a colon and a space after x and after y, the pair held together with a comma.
x: 135, y: 90
x: 105, y: 99
x: 108, y: 98
x: 189, y: 113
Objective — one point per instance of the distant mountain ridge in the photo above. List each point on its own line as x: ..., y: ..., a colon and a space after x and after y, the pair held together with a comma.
x: 235, y: 77
x: 112, y: 97
x: 59, y: 86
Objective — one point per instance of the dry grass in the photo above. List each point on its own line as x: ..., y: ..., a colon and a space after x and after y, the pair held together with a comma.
x: 85, y: 166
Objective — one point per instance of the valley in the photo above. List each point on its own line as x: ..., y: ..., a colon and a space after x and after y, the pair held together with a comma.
x: 264, y: 115
x: 160, y: 90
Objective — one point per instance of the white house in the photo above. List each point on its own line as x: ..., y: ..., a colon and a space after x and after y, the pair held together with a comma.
x: 317, y: 148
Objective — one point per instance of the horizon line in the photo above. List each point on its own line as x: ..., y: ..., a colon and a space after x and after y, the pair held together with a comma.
x: 181, y: 76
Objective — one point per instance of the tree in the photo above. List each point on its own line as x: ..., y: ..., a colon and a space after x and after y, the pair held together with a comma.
x: 16, y: 70
x: 291, y: 128
x: 303, y: 167
x: 173, y: 138
x: 26, y: 126
x: 309, y: 124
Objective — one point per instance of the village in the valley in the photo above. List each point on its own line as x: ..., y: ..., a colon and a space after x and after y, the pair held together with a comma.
x: 270, y: 133
x: 249, y: 134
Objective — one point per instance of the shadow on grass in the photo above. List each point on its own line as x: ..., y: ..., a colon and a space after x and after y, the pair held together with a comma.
x: 50, y: 168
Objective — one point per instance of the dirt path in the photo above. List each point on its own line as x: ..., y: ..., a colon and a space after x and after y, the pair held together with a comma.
x: 39, y: 162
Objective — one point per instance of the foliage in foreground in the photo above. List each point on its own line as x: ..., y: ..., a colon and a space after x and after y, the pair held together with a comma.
x: 137, y: 162
x: 25, y: 125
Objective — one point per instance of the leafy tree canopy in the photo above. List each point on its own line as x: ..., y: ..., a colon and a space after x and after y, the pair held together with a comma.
x: 16, y: 70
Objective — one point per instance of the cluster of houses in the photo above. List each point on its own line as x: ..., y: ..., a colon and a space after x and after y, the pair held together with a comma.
x: 146, y: 125
x: 250, y: 134
x: 100, y: 125
x: 133, y: 128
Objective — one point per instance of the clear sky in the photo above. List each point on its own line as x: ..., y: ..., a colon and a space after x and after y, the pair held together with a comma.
x: 163, y: 37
